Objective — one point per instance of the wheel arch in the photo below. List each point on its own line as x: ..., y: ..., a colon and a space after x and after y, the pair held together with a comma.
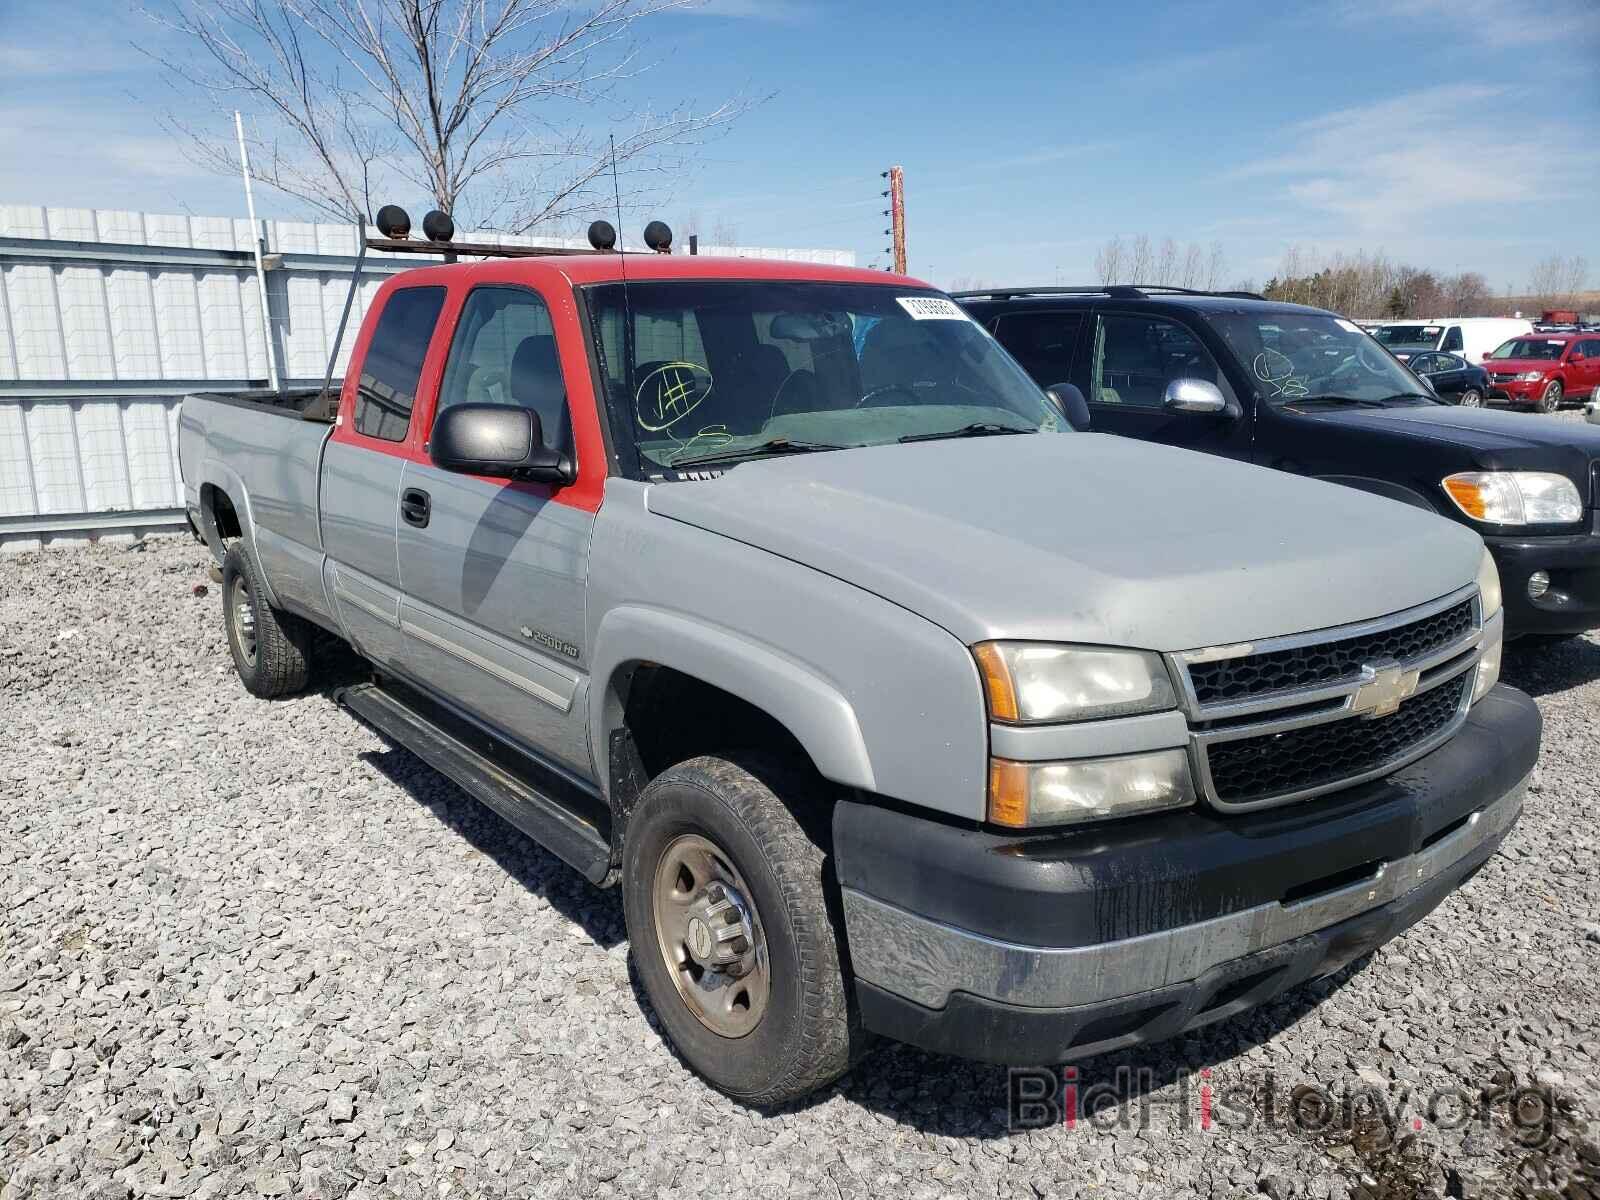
x: 669, y: 687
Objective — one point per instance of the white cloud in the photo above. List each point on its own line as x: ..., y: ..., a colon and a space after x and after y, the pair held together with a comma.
x: 1391, y: 166
x: 1499, y: 24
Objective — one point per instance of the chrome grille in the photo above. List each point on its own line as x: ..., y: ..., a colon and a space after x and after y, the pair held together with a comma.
x: 1256, y: 768
x: 1326, y: 662
x: 1294, y: 717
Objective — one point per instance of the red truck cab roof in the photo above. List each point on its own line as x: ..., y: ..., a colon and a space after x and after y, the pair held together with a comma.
x: 581, y: 269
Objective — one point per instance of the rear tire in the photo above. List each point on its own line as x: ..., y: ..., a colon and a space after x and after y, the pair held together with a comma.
x: 1550, y: 398
x: 711, y: 846
x: 1471, y: 398
x: 271, y: 649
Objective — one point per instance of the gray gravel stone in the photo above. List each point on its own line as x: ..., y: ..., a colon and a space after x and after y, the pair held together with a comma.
x: 250, y: 949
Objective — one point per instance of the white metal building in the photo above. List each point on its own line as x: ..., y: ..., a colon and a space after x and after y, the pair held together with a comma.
x: 107, y: 318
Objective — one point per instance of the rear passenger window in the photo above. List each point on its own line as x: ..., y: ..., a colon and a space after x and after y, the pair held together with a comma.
x: 1041, y: 342
x: 387, y: 389
x: 1452, y: 340
x: 1136, y: 357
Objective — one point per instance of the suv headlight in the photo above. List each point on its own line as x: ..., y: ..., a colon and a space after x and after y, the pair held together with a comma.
x: 1530, y: 376
x: 1515, y: 497
x: 1027, y: 682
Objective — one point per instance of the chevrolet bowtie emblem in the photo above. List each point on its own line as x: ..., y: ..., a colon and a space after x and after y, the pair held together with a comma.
x: 1383, y: 686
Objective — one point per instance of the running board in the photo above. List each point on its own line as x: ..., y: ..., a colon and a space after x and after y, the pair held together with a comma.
x: 535, y: 812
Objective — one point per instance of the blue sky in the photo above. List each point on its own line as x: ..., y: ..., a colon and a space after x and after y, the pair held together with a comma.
x: 1454, y: 134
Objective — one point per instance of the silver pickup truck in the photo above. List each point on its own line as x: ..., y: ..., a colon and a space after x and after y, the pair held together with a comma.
x: 780, y: 596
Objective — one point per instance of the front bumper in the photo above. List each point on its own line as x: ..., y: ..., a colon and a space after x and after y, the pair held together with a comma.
x: 1572, y: 605
x: 1059, y: 946
x: 1517, y: 391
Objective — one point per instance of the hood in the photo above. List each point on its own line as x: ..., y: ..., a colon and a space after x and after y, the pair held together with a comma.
x: 1085, y: 537
x: 1491, y: 440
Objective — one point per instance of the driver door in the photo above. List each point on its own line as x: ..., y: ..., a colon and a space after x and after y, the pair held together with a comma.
x: 1132, y: 359
x: 492, y: 571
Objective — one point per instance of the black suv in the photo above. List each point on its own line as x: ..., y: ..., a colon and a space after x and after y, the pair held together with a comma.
x: 1305, y: 390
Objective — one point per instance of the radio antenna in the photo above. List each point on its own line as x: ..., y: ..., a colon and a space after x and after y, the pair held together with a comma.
x: 622, y: 265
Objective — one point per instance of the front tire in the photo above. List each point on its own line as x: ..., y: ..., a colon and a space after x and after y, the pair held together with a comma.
x: 726, y: 902
x: 1471, y: 398
x: 1550, y: 398
x: 271, y: 649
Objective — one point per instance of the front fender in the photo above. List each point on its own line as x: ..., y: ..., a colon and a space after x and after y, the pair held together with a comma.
x: 809, y: 706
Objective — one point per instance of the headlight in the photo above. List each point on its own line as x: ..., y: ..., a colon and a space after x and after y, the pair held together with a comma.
x: 1489, y: 659
x: 1531, y: 376
x: 1036, y: 681
x: 1515, y: 497
x: 1023, y: 794
x: 1489, y: 585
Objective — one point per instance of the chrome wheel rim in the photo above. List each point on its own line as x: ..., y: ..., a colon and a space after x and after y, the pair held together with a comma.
x: 242, y: 609
x: 1471, y: 399
x: 710, y: 936
x: 1552, y: 397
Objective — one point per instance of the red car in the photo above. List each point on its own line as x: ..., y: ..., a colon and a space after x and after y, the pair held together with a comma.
x: 1541, y: 369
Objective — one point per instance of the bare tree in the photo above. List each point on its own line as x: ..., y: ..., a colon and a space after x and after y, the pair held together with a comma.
x: 492, y: 107
x: 724, y: 233
x: 1558, y: 282
x: 1108, y: 261
x: 1214, y: 267
x: 1141, y: 259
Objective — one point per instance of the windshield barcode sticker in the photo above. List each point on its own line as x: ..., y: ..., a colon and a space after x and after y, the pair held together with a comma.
x: 931, y: 308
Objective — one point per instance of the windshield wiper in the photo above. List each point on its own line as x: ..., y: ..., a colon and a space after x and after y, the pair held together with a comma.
x: 1357, y: 401
x: 772, y: 446
x: 976, y: 429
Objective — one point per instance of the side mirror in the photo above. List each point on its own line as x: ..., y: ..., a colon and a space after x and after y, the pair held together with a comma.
x: 1194, y: 396
x: 497, y: 440
x: 1071, y: 402
x: 1576, y: 356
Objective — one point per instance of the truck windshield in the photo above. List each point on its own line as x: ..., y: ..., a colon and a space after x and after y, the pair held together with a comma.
x: 1409, y: 335
x: 1303, y: 357
x: 700, y: 372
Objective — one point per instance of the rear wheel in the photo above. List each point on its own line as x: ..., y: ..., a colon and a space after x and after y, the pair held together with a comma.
x: 726, y: 902
x: 271, y: 649
x: 1471, y: 398
x: 1550, y: 398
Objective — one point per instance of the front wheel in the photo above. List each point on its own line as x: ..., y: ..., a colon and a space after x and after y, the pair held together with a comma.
x: 725, y: 898
x: 1550, y: 398
x: 1471, y: 398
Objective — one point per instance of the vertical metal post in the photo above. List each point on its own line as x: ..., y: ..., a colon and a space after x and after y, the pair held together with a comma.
x: 261, y: 273
x: 349, y: 299
x: 694, y: 243
x: 897, y: 214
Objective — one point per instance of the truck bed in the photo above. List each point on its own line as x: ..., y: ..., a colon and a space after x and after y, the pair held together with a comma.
x: 308, y: 404
x: 263, y: 451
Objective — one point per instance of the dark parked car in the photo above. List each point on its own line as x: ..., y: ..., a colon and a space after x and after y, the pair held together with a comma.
x: 1452, y: 378
x: 1306, y: 391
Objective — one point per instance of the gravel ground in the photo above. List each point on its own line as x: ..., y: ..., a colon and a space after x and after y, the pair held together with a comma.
x: 249, y: 948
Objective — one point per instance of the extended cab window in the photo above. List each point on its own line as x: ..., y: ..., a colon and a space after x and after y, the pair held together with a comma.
x: 504, y: 352
x: 1042, y: 342
x: 387, y: 389
x: 1452, y: 340
x: 1136, y: 357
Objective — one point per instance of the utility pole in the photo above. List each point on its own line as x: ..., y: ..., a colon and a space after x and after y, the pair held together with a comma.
x: 897, y: 216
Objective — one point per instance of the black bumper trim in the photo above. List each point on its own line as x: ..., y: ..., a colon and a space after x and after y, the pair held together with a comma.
x: 988, y: 1031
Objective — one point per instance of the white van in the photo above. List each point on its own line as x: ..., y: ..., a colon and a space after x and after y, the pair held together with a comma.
x: 1470, y: 337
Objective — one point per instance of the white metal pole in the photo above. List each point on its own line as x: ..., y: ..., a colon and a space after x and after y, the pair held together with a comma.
x: 256, y: 237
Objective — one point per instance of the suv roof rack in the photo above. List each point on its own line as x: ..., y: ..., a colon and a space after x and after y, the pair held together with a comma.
x: 1117, y: 291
